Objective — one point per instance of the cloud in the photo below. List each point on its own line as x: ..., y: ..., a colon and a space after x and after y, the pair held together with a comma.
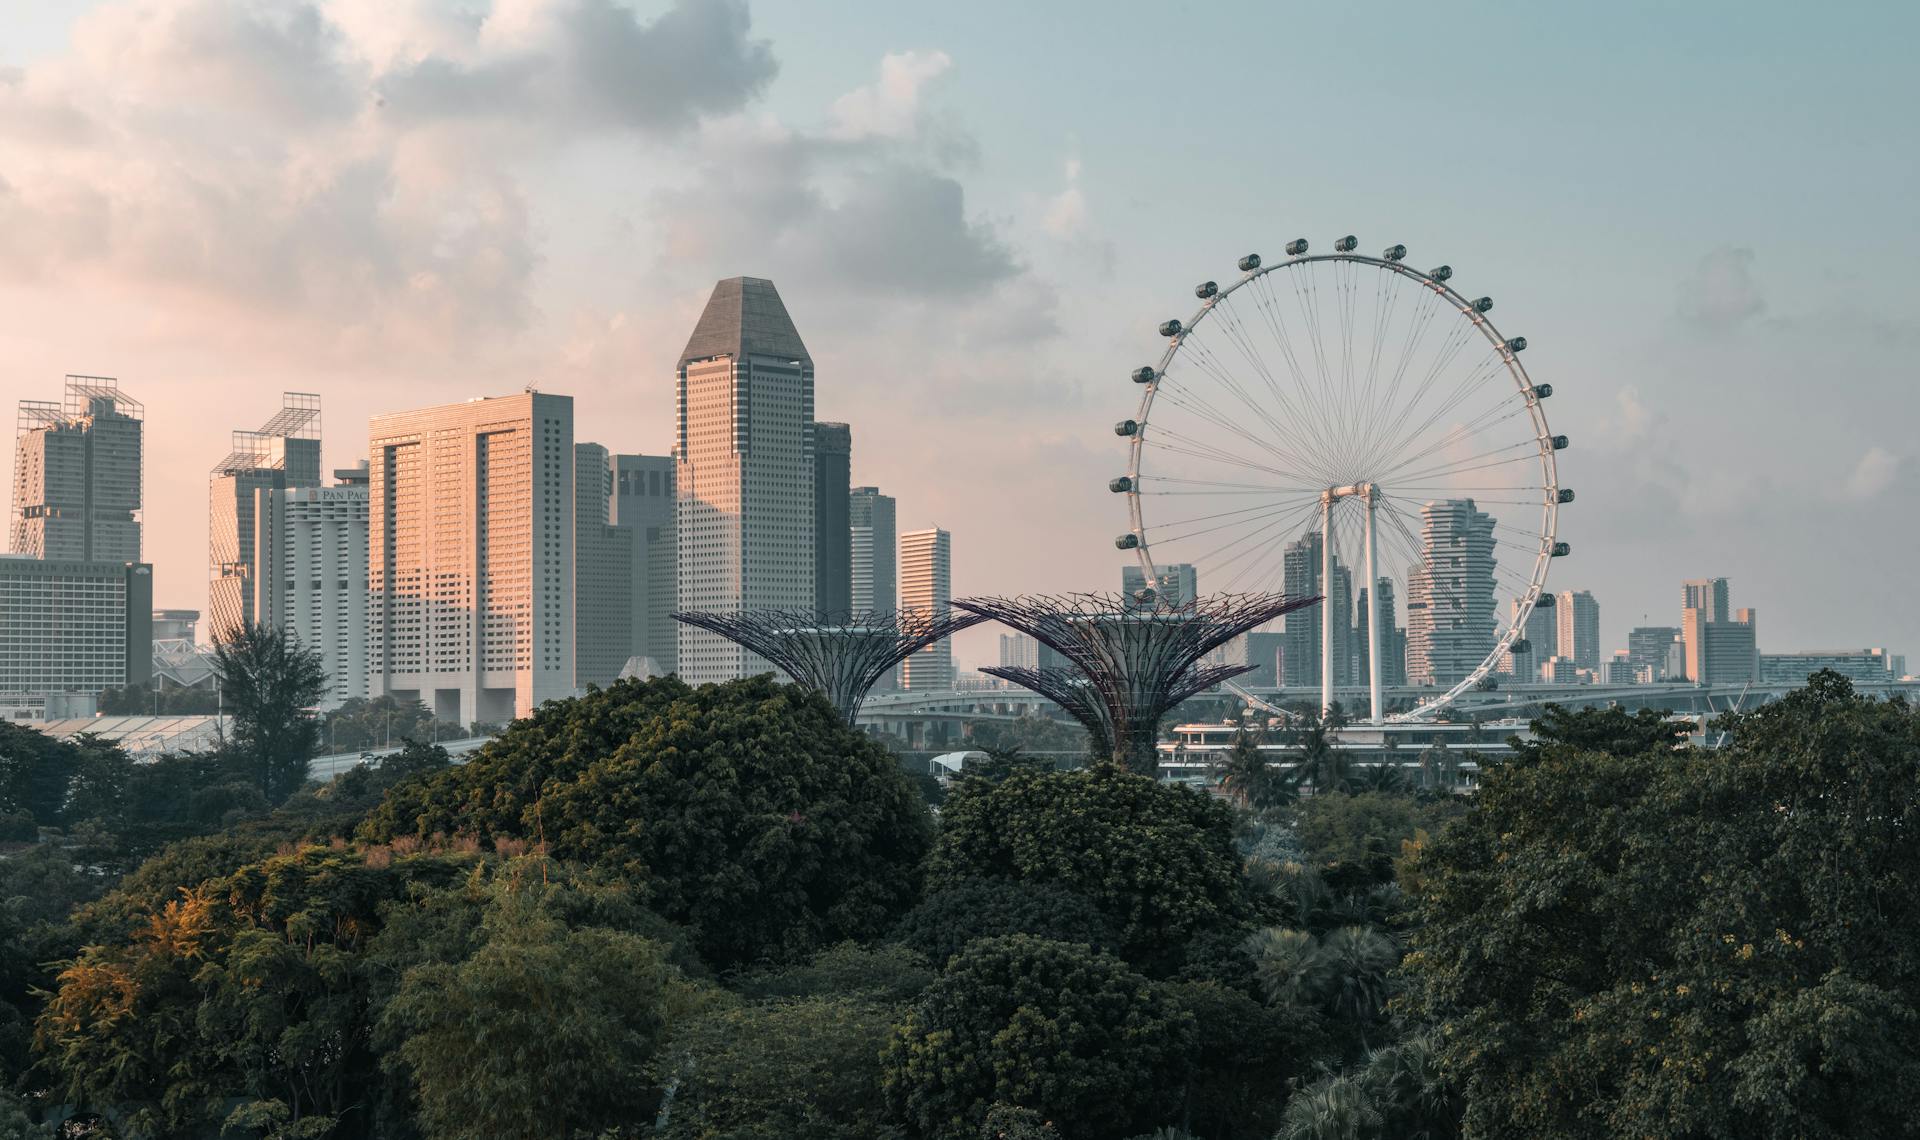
x: 1066, y: 212
x: 1873, y: 474
x: 890, y: 106
x: 588, y: 64
x: 1721, y: 293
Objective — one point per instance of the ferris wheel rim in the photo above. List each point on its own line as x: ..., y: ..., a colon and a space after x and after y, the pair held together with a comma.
x: 1543, y: 437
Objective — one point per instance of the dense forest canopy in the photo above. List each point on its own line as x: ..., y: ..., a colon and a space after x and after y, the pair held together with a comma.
x: 660, y: 910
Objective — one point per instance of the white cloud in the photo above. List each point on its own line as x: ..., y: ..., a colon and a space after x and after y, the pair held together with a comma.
x: 890, y: 106
x: 1873, y: 473
x: 1722, y: 293
x: 1066, y: 212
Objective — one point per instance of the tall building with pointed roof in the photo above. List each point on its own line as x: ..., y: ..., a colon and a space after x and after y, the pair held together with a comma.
x: 744, y: 471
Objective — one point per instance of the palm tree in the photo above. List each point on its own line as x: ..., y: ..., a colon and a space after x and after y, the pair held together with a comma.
x: 1287, y: 965
x: 1382, y: 777
x: 1355, y: 965
x: 1249, y: 779
x: 1335, y: 1108
x: 1321, y: 765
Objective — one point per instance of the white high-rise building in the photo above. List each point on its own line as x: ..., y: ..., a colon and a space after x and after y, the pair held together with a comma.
x: 310, y: 549
x: 875, y: 534
x: 926, y: 586
x: 283, y: 453
x: 744, y: 477
x: 1577, y: 634
x: 1450, y: 594
x: 470, y: 556
x: 77, y: 474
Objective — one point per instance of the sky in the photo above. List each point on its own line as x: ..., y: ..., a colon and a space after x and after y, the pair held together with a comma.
x: 1700, y: 216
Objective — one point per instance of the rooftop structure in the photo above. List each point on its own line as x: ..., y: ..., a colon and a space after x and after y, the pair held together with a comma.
x: 78, y: 471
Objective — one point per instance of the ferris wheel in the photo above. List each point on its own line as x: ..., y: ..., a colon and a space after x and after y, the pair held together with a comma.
x: 1348, y: 425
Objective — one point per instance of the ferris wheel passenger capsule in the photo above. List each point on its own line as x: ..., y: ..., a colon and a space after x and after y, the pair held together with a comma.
x: 1144, y: 596
x: 1559, y: 443
x: 1205, y: 289
x: 1544, y: 601
x: 1561, y: 550
x: 1541, y: 391
x: 1394, y: 252
x: 1483, y: 305
x: 1126, y: 427
x: 1250, y: 263
x: 1517, y: 344
x: 1121, y: 485
x: 1127, y: 542
x: 1143, y: 375
x: 1296, y: 247
x: 1170, y: 328
x: 1346, y: 244
x: 1440, y: 272
x: 1521, y: 645
x: 1566, y: 495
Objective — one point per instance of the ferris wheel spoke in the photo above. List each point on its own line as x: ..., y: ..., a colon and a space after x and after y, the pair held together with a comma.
x: 1478, y: 379
x: 1419, y: 321
x: 1315, y: 412
x: 1149, y: 535
x: 1271, y: 531
x: 1492, y: 418
x: 1204, y: 359
x: 1201, y: 450
x: 1235, y: 333
x: 1483, y: 461
x: 1261, y: 509
x: 1203, y: 410
x: 1391, y: 440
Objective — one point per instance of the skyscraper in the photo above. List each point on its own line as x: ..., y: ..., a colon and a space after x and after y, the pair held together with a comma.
x: 926, y: 586
x: 1173, y: 585
x: 744, y: 472
x: 77, y: 474
x: 1719, y: 649
x: 1708, y: 595
x: 283, y: 453
x: 1578, y: 634
x: 603, y: 595
x: 643, y: 502
x: 1542, y: 635
x: 310, y: 579
x: 832, y: 533
x: 1393, y: 637
x: 1450, y: 593
x: 72, y: 626
x: 470, y: 556
x: 870, y: 516
x: 1301, y: 567
x: 1648, y: 646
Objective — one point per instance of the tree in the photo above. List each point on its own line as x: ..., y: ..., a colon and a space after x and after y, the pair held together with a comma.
x: 1321, y: 765
x: 1398, y: 1093
x: 792, y: 1070
x: 754, y: 814
x: 1243, y: 1057
x: 947, y: 919
x: 1060, y: 1029
x: 1250, y: 780
x: 269, y: 682
x: 1681, y: 943
x: 360, y: 722
x: 541, y: 1032
x: 1156, y: 860
x: 1611, y: 730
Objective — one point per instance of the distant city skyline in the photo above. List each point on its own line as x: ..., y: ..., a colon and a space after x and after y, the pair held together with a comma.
x: 399, y: 253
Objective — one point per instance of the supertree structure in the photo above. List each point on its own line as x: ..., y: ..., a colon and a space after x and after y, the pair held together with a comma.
x: 840, y: 655
x: 1135, y: 657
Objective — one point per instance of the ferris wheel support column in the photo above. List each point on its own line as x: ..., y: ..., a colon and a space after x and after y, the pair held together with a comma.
x: 1326, y: 615
x: 1373, y: 615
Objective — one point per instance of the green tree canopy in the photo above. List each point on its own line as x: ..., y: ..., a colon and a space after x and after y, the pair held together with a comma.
x: 1711, y: 944
x: 949, y: 918
x: 1156, y: 860
x: 752, y: 812
x: 268, y: 682
x: 807, y: 1069
x: 1060, y: 1029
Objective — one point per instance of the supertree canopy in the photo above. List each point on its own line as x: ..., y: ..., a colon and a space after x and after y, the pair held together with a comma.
x: 841, y: 655
x: 1134, y: 660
